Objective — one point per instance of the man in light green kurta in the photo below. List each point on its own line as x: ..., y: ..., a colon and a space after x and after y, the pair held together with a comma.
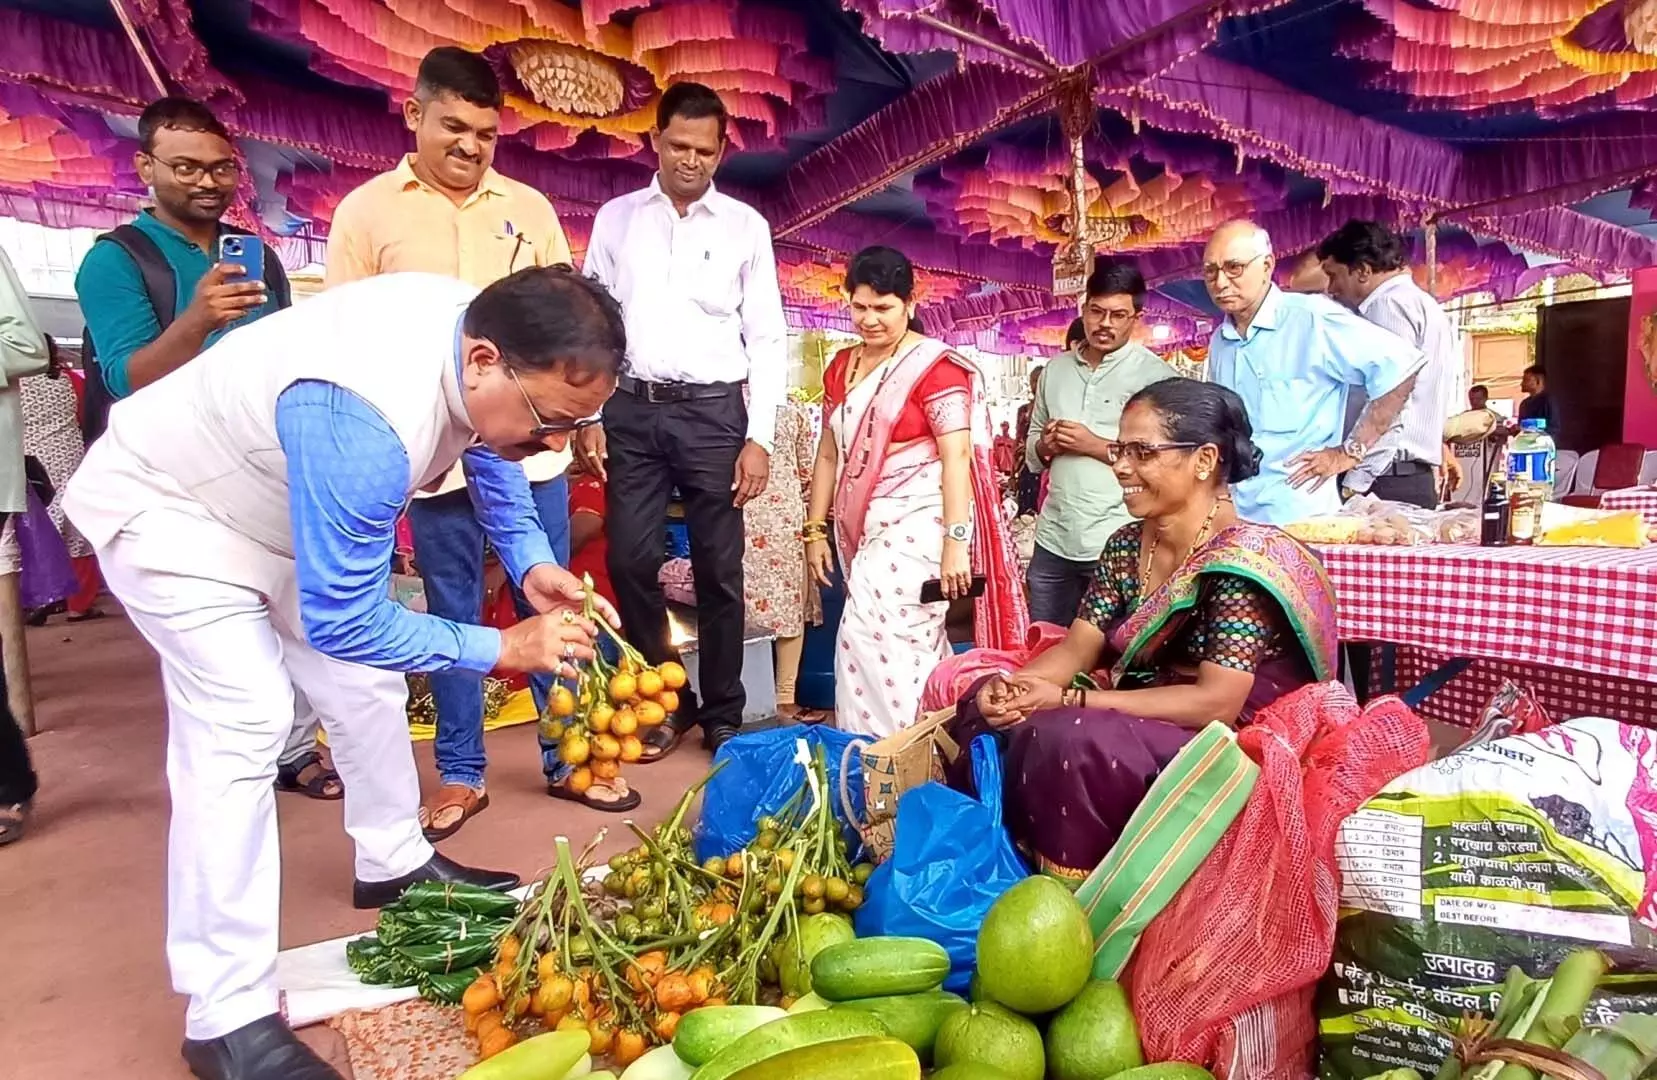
x: 1074, y: 419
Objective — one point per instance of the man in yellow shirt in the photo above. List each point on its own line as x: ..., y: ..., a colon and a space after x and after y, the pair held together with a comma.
x: 445, y: 210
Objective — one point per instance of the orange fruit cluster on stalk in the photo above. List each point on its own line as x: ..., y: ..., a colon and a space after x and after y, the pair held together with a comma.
x: 599, y: 725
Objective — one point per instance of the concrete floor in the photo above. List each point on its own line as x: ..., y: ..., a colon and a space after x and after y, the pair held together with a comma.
x: 85, y: 991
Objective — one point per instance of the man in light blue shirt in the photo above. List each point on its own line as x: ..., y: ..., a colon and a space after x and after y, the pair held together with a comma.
x: 1294, y: 359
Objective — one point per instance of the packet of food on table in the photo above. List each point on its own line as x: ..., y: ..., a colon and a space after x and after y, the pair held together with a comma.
x: 1575, y: 526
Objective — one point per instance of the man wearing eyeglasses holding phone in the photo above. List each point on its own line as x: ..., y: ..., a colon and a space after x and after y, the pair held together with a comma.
x: 1294, y: 358
x: 445, y: 210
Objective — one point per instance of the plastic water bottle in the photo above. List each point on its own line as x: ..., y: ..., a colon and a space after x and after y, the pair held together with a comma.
x: 1530, y: 463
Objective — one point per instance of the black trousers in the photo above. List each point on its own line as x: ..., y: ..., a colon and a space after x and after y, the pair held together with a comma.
x: 692, y: 445
x: 1415, y: 489
x: 17, y: 776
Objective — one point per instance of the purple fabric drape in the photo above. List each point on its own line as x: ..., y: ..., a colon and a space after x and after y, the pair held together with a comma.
x: 951, y: 110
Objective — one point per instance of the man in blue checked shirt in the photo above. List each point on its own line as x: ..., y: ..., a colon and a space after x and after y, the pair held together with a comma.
x: 244, y: 511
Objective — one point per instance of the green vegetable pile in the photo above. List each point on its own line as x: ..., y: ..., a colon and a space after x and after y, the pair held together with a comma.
x: 437, y: 937
x: 1537, y: 1031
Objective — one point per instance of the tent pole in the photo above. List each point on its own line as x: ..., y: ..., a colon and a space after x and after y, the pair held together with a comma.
x: 985, y: 43
x: 138, y: 46
x: 1432, y: 256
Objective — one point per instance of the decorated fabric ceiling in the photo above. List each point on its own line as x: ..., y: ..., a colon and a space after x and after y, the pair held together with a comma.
x: 866, y: 121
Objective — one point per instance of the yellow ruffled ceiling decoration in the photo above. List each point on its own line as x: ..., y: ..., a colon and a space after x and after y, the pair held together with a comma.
x: 1492, y: 53
x: 574, y: 70
x: 1029, y: 206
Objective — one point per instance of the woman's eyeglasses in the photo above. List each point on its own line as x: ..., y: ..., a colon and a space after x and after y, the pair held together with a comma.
x: 1141, y: 452
x: 546, y: 428
x: 191, y: 172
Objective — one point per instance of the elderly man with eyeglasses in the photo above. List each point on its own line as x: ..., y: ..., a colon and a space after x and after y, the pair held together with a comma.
x: 244, y: 510
x: 1294, y: 358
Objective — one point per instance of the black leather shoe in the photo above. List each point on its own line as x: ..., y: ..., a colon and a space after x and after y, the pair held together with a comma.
x: 377, y: 894
x: 719, y: 736
x: 266, y: 1049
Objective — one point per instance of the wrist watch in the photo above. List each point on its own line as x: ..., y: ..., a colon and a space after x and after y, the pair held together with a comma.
x: 960, y: 532
x: 1354, y: 449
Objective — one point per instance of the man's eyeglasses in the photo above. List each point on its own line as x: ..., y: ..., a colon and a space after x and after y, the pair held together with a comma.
x: 1141, y: 452
x: 191, y: 172
x: 1231, y: 268
x: 543, y: 427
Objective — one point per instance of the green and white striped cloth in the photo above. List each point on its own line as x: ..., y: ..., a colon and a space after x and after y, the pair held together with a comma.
x: 1183, y: 815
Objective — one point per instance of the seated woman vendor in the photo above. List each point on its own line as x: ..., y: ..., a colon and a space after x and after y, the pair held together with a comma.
x: 1196, y: 616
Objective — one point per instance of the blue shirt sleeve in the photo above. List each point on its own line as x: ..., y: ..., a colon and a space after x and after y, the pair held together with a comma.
x: 501, y: 499
x: 1357, y: 352
x: 119, y: 318
x: 348, y: 476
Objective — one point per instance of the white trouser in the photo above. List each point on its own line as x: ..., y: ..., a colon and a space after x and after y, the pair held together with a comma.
x: 302, y: 739
x: 230, y: 662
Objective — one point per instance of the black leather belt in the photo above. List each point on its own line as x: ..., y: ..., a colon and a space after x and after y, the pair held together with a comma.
x: 1408, y: 468
x: 668, y: 393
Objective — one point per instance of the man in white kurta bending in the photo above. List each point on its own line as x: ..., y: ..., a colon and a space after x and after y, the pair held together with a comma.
x: 244, y: 510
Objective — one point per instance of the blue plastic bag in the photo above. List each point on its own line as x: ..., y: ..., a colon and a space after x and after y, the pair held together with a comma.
x: 760, y: 775
x: 952, y: 860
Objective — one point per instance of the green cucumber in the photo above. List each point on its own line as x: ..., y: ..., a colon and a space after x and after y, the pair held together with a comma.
x: 867, y: 1058
x: 878, y: 967
x: 913, y: 1018
x: 703, y: 1033
x: 789, y: 1033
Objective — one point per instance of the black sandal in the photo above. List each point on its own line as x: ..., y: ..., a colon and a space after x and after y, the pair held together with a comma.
x: 660, y: 741
x: 14, y: 822
x: 287, y: 779
x: 629, y: 801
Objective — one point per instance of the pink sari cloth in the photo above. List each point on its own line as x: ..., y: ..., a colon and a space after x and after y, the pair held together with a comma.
x: 1002, y: 615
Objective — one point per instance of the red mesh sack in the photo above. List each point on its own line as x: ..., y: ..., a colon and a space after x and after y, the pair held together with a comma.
x: 1224, y: 976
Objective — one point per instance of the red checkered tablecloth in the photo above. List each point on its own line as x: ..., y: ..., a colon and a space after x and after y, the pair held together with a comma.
x: 1564, y: 693
x: 1583, y: 609
x: 1643, y: 499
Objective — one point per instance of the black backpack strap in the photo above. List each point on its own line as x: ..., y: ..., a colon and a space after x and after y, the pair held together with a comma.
x: 276, y: 280
x: 160, y: 286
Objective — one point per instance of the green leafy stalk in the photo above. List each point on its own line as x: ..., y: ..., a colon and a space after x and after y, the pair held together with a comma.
x: 1557, y: 1014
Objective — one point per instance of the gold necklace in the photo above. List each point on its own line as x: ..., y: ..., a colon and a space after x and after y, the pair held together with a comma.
x: 1145, y: 588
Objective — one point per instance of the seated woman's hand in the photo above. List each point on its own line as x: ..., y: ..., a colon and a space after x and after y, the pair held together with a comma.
x: 995, y: 702
x: 1032, y: 693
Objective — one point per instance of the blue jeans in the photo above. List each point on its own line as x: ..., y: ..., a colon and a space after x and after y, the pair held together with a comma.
x: 448, y: 548
x: 1057, y: 586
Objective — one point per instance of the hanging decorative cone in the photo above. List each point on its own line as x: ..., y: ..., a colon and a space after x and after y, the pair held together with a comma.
x: 567, y: 78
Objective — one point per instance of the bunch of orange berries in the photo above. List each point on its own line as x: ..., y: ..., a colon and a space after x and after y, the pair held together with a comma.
x: 597, y: 725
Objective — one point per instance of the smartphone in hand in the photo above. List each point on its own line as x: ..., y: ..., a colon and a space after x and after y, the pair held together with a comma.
x: 247, y: 252
x: 932, y: 591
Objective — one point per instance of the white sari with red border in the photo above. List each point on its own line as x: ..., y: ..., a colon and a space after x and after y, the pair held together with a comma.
x: 889, y: 529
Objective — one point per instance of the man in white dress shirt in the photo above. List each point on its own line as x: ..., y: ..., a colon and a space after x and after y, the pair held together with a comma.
x: 1368, y: 269
x: 697, y: 281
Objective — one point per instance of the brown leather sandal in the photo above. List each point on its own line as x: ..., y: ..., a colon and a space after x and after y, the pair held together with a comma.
x: 469, y: 801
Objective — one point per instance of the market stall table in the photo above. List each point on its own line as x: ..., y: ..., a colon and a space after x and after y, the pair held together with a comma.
x: 1643, y: 499
x: 1576, y: 625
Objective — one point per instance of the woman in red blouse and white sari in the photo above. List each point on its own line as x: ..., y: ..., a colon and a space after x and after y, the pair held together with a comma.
x: 905, y: 464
